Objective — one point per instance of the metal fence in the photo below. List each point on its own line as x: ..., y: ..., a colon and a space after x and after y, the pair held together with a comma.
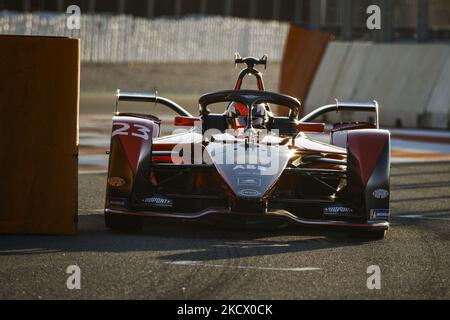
x: 125, y: 38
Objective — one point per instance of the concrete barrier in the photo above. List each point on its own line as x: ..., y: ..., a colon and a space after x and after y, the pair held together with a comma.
x: 438, y: 109
x: 408, y: 80
x: 322, y: 89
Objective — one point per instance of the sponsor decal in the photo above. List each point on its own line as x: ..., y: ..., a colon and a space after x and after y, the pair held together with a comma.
x: 379, y: 214
x: 249, y: 192
x: 380, y: 193
x: 337, y: 209
x: 249, y: 181
x: 116, y: 182
x: 120, y: 203
x: 250, y: 167
x: 158, y: 201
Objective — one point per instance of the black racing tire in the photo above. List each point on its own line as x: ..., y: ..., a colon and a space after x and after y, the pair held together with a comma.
x: 368, y: 234
x: 123, y: 223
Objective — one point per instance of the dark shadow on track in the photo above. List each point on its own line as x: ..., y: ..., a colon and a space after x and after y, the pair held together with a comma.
x: 437, y: 184
x: 199, y: 242
x: 417, y: 173
x: 419, y: 199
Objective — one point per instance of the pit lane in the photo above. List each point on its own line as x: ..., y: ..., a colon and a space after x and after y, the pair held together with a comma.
x: 167, y: 261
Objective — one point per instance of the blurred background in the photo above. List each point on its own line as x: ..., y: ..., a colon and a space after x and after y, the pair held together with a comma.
x: 404, y: 19
x: 184, y: 48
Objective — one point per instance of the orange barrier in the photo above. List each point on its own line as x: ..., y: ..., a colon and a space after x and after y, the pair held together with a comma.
x: 302, y: 55
x: 39, y: 98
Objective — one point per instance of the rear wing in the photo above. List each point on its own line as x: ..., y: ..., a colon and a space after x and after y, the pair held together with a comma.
x: 368, y: 106
x: 149, y: 97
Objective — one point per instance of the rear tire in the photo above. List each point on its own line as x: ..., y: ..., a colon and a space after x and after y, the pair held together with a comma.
x: 368, y: 234
x: 123, y: 223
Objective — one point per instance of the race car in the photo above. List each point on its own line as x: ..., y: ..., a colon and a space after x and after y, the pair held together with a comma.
x: 248, y: 166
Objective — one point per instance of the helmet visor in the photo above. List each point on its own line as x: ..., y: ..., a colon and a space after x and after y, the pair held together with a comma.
x: 238, y: 122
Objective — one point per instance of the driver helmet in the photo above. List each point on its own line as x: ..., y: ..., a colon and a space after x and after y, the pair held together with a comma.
x: 237, y: 116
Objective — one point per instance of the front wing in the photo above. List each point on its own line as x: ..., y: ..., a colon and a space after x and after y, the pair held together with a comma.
x: 227, y: 217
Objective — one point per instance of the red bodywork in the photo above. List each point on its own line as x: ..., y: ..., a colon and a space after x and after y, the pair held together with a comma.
x: 342, y: 182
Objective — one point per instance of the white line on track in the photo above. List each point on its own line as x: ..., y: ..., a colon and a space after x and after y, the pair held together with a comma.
x: 420, y: 216
x: 196, y: 263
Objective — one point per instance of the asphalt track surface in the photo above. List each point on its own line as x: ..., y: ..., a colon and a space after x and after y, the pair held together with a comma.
x: 199, y: 262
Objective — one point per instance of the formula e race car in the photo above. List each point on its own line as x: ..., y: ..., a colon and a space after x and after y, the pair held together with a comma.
x: 248, y: 166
